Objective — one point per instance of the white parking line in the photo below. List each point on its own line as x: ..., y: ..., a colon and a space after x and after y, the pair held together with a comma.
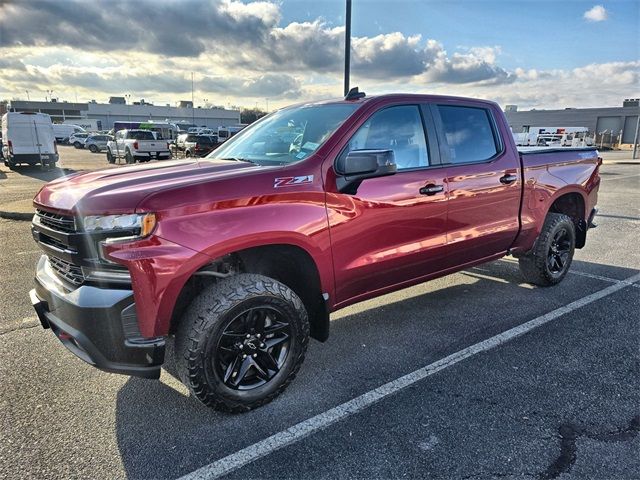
x: 305, y: 428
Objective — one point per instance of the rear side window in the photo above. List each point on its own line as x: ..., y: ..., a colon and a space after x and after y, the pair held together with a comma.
x: 469, y: 132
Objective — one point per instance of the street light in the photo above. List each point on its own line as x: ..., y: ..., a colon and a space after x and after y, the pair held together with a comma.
x: 50, y: 93
x: 128, y: 97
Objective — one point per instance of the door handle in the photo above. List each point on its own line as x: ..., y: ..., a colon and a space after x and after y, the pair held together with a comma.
x: 431, y: 189
x: 508, y: 178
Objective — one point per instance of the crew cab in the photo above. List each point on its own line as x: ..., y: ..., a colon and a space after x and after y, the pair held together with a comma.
x: 241, y: 256
x: 137, y: 145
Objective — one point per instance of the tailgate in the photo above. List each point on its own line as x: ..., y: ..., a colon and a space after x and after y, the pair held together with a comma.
x: 152, y: 146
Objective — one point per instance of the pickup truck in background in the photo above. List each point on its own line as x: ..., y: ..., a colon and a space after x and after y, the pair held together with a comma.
x: 243, y: 255
x: 200, y: 145
x: 137, y: 145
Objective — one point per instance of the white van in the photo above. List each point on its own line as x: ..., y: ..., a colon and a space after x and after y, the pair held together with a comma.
x: 63, y: 131
x: 28, y: 138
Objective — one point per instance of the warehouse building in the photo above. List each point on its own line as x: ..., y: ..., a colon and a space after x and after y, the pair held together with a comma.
x: 118, y: 110
x: 618, y: 122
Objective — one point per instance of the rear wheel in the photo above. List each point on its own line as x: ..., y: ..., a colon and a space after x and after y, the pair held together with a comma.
x: 549, y: 261
x: 241, y: 342
x: 77, y: 144
x: 93, y: 148
x: 129, y: 158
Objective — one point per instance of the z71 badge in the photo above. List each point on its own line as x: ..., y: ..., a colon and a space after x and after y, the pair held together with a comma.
x: 292, y: 181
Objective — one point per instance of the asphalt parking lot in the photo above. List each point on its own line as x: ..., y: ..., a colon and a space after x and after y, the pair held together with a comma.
x: 484, y: 376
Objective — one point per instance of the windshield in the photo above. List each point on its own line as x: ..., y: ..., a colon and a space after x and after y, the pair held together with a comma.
x: 285, y: 136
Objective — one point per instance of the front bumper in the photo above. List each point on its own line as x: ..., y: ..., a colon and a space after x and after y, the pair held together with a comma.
x: 98, y: 325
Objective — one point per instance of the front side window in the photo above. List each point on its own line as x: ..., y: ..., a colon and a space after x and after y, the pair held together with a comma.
x: 469, y: 133
x: 395, y: 128
x: 286, y: 136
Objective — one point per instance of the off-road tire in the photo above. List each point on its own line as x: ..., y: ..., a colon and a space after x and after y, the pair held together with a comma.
x: 205, y: 320
x: 534, y: 266
x: 110, y: 157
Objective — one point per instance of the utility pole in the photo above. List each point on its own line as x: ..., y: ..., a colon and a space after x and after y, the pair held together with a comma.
x: 635, y: 139
x: 193, y: 111
x: 347, y: 48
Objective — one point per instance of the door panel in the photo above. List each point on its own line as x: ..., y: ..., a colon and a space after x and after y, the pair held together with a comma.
x: 387, y: 233
x: 484, y: 183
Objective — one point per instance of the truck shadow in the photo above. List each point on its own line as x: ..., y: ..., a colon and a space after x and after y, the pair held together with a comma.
x: 163, y: 433
x: 36, y: 172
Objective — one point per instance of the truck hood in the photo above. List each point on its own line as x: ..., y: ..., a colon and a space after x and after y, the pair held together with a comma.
x: 120, y: 190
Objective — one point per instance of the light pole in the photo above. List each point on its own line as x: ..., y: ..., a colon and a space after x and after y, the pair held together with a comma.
x: 28, y: 99
x: 347, y: 48
x: 193, y: 107
x: 128, y: 97
x: 50, y: 92
x: 635, y: 139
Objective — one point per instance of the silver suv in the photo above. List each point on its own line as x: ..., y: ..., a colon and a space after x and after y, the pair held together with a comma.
x: 97, y: 143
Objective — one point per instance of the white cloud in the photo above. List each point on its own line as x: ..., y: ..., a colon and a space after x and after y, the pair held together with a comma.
x: 596, y: 13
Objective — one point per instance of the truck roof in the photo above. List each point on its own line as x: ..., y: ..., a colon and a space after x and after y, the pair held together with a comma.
x: 391, y: 97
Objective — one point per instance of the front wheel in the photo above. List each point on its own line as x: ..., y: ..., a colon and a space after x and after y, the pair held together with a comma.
x: 77, y: 144
x: 110, y: 157
x: 241, y: 342
x: 93, y: 148
x: 549, y: 261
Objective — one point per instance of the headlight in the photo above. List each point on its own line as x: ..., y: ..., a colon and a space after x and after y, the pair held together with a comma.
x: 140, y: 224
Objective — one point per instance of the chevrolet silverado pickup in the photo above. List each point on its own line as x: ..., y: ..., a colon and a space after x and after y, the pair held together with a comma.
x: 240, y: 257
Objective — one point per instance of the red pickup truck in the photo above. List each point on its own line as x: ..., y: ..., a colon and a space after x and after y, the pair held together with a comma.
x: 243, y: 255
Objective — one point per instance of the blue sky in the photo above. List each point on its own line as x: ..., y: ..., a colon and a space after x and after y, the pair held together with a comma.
x: 536, y: 54
x: 533, y: 34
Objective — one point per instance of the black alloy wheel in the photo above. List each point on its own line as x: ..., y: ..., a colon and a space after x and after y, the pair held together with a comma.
x: 252, y: 348
x: 559, y: 251
x: 550, y: 259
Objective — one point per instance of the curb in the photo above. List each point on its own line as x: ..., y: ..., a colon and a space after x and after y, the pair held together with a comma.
x: 16, y: 215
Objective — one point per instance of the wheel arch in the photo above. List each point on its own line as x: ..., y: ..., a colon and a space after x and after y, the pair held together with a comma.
x: 571, y: 201
x: 288, y: 263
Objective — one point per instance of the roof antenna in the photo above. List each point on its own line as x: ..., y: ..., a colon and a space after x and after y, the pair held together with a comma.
x: 354, y: 94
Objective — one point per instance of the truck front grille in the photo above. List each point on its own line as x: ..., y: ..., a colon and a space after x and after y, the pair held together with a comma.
x: 67, y: 271
x: 60, y: 223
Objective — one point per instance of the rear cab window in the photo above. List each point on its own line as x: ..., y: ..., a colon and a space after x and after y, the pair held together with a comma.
x: 470, y: 133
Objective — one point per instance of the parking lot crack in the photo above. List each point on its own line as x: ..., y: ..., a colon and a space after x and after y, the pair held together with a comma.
x: 569, y: 433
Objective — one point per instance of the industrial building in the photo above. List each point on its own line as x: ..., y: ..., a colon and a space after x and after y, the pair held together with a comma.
x: 118, y: 110
x: 617, y: 122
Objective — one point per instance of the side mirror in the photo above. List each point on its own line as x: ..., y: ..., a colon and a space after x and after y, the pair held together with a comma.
x: 360, y: 165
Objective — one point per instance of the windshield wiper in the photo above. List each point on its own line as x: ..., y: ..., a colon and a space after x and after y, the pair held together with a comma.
x: 238, y: 159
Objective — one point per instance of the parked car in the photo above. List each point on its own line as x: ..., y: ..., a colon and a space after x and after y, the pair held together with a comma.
x: 200, y: 145
x: 63, y: 131
x: 28, y: 137
x: 243, y: 255
x: 137, y: 145
x: 97, y: 143
x: 78, y: 139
